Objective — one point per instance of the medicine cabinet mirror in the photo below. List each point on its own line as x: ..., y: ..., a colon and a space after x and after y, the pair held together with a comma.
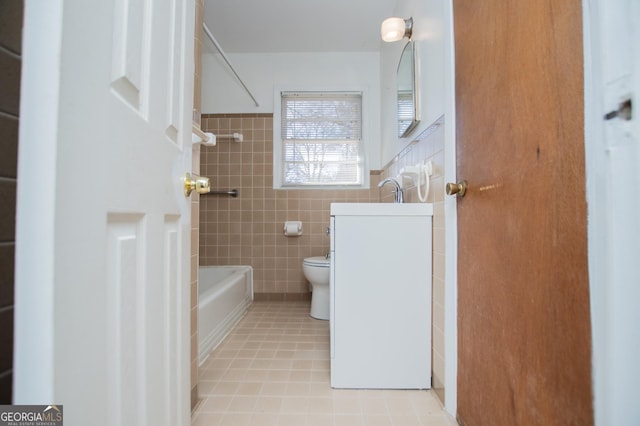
x: 407, y: 85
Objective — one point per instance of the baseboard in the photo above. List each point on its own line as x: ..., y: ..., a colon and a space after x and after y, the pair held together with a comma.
x: 281, y: 297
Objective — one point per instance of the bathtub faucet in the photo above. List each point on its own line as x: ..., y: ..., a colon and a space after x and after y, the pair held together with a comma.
x: 399, y: 198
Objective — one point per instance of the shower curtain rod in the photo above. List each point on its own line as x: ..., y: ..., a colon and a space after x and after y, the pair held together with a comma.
x: 215, y: 43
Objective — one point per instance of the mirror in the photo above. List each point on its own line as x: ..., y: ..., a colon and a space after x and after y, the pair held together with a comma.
x: 407, y: 101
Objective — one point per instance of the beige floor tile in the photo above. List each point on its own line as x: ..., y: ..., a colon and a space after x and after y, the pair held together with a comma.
x: 207, y: 419
x: 217, y: 363
x: 292, y: 419
x: 319, y: 419
x: 257, y: 375
x: 269, y: 404
x: 243, y: 363
x: 346, y: 405
x: 298, y: 389
x: 374, y: 406
x: 236, y: 419
x: 278, y: 375
x: 399, y: 406
x: 274, y: 389
x: 320, y: 389
x: 212, y: 374
x: 406, y: 421
x: 243, y: 404
x: 305, y: 365
x: 206, y: 386
x: 295, y: 405
x: 320, y: 405
x: 348, y: 420
x: 274, y: 369
x: 281, y: 364
x: 265, y: 419
x: 260, y: 364
x: 215, y: 404
x: 235, y: 375
x: 438, y: 420
x: 378, y: 420
x: 300, y: 376
x: 249, y: 388
x: 225, y: 388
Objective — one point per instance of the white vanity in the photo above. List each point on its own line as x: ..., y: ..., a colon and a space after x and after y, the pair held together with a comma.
x: 380, y: 294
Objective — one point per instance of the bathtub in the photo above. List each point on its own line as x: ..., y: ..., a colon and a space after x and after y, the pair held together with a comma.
x: 224, y: 295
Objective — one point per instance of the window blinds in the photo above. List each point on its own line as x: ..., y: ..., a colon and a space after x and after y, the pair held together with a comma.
x: 406, y: 111
x: 321, y: 136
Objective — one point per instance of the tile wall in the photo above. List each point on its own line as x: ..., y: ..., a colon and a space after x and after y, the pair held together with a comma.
x: 248, y: 230
x: 10, y: 66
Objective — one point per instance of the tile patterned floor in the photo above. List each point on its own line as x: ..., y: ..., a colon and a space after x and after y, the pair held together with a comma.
x: 273, y: 369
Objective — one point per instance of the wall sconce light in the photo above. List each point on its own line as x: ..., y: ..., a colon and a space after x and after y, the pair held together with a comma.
x: 394, y: 29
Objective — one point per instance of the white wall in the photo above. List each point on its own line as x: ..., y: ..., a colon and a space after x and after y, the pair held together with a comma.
x: 262, y: 72
x: 429, y: 33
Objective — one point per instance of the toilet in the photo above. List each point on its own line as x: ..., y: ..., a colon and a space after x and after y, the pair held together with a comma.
x: 316, y: 271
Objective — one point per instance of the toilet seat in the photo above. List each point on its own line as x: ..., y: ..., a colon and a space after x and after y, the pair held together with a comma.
x: 317, y: 262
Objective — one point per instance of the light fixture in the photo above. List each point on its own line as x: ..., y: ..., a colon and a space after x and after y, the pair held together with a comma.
x: 394, y: 29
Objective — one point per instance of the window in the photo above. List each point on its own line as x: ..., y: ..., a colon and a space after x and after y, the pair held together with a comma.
x: 321, y: 136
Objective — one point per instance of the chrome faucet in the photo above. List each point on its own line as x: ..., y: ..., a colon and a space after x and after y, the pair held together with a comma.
x: 399, y: 198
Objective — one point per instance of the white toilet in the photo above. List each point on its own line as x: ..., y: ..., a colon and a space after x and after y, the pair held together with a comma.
x: 316, y: 271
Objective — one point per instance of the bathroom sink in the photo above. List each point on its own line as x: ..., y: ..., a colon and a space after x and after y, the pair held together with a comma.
x: 381, y: 209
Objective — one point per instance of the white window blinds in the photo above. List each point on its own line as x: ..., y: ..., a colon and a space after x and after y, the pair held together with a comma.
x: 406, y: 111
x: 321, y: 136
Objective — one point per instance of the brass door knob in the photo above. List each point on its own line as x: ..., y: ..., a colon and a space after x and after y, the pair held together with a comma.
x: 458, y: 189
x: 200, y: 184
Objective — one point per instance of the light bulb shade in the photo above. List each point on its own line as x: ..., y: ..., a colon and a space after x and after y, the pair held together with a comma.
x: 394, y: 29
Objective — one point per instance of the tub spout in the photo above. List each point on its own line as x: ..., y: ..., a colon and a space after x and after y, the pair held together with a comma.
x: 399, y: 197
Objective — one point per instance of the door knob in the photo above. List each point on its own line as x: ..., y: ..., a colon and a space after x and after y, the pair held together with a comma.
x: 458, y: 189
x: 200, y: 184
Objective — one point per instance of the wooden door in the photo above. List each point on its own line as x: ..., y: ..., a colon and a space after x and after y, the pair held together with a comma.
x: 524, y: 339
x: 103, y: 236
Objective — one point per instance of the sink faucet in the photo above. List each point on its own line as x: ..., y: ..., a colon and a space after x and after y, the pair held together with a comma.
x: 397, y: 191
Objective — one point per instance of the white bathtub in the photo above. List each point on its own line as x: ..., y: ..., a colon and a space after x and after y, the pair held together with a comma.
x: 224, y: 295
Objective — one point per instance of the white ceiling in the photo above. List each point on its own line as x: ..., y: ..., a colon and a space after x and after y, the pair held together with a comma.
x: 258, y: 26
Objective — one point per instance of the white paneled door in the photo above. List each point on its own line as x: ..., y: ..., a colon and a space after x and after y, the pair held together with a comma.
x: 103, y: 226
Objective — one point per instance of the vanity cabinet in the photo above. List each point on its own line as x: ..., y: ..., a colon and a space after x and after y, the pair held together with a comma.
x: 380, y: 295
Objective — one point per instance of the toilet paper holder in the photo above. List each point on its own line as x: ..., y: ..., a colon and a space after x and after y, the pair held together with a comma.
x: 292, y: 228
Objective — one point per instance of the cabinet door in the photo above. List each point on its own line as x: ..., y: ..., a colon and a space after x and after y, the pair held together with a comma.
x: 332, y: 283
x: 381, y: 302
